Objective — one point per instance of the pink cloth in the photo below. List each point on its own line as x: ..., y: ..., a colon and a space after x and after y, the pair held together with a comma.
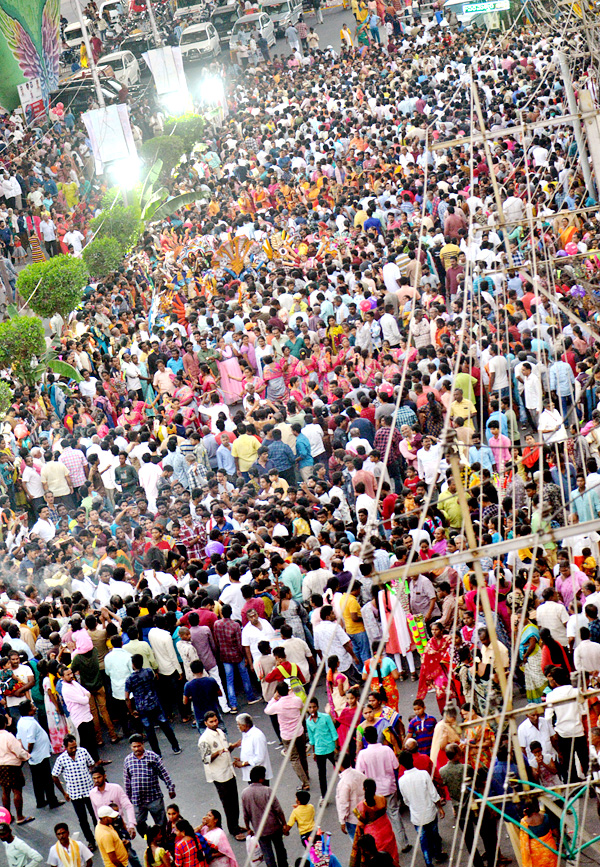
x: 500, y: 447
x: 77, y: 700
x: 114, y: 794
x: 82, y: 640
x: 288, y: 709
x: 12, y: 751
x: 378, y: 762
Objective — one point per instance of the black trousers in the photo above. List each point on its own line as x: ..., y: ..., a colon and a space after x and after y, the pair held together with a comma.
x: 466, y: 823
x: 228, y: 794
x: 82, y: 807
x: 277, y: 858
x: 322, y: 766
x: 569, y: 748
x: 87, y: 738
x: 43, y: 787
x: 121, y: 714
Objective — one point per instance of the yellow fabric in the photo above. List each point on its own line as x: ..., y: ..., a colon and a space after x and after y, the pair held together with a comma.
x: 349, y: 605
x: 304, y: 815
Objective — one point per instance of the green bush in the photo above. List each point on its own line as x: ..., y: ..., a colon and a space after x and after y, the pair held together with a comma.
x: 21, y: 339
x: 123, y: 223
x: 190, y: 127
x: 61, y: 280
x: 168, y: 148
x: 102, y: 256
x: 5, y: 398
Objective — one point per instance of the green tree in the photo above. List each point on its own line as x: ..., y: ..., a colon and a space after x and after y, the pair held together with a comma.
x: 6, y: 398
x: 102, y: 256
x: 190, y: 127
x: 121, y: 222
x: 55, y: 286
x: 21, y: 340
x: 167, y: 148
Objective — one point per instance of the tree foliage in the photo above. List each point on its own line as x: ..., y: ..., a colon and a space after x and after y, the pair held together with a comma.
x: 21, y: 340
x: 5, y: 398
x: 55, y: 286
x: 190, y: 127
x: 123, y: 223
x: 167, y: 148
x: 102, y: 256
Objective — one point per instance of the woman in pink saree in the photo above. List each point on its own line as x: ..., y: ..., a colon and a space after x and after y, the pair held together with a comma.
x: 372, y: 818
x: 232, y: 386
x: 366, y: 368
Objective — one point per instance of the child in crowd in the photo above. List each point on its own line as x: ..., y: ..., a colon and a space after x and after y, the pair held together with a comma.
x: 303, y: 814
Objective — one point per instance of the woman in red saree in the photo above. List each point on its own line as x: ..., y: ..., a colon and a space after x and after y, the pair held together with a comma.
x: 435, y: 665
x: 366, y: 368
x: 372, y: 818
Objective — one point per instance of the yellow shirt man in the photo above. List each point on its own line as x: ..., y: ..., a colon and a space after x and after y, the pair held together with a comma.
x: 349, y: 606
x: 463, y: 409
x: 245, y: 449
x: 108, y: 840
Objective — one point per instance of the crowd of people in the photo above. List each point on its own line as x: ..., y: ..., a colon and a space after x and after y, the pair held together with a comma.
x: 198, y: 527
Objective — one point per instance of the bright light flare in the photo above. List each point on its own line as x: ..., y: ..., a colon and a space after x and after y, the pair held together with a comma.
x: 125, y: 173
x: 177, y: 102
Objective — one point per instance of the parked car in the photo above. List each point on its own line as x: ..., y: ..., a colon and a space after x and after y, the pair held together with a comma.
x: 282, y: 13
x: 199, y: 41
x: 258, y: 21
x: 112, y: 7
x: 73, y: 35
x: 124, y: 65
x: 75, y: 93
x: 223, y: 18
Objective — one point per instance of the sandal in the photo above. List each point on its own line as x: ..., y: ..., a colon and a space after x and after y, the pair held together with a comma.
x: 25, y: 820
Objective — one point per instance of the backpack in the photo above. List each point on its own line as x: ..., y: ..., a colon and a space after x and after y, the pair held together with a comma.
x: 293, y: 681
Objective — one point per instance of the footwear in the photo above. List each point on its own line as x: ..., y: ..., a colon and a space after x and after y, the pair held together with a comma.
x: 177, y: 750
x: 441, y: 858
x: 407, y: 848
x: 255, y: 701
x: 232, y: 710
x: 40, y: 806
x: 241, y: 836
x: 115, y: 740
x: 414, y: 676
x: 25, y: 820
x: 57, y: 804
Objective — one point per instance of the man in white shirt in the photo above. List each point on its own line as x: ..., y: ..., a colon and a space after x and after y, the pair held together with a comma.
x: 423, y: 800
x: 568, y: 723
x: 389, y: 327
x: 73, y: 238
x: 256, y: 630
x: 253, y: 748
x: 553, y: 615
x: 43, y: 527
x: 340, y: 645
x: 535, y: 727
x: 391, y: 275
x: 587, y: 653
x: 48, y: 230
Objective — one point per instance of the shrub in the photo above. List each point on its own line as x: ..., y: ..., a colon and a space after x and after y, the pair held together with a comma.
x: 123, y: 223
x: 55, y: 286
x: 21, y: 339
x: 190, y: 127
x: 102, y: 256
x: 168, y: 148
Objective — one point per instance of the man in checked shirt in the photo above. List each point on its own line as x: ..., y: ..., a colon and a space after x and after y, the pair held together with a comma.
x: 142, y: 772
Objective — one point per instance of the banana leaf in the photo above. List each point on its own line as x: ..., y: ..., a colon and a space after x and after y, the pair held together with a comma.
x: 150, y: 180
x: 157, y: 198
x: 62, y: 369
x: 169, y: 207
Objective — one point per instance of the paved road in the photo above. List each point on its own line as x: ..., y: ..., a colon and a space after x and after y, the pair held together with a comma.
x: 195, y: 796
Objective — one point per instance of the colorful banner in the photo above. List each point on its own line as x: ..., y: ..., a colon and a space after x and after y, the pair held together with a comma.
x: 29, y: 47
x: 32, y: 102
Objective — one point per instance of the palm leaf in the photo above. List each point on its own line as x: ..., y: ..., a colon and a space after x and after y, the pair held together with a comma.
x: 64, y: 369
x: 169, y: 207
x: 150, y: 180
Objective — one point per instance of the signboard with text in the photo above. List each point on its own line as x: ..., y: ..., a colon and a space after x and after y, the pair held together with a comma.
x: 32, y: 103
x: 486, y: 6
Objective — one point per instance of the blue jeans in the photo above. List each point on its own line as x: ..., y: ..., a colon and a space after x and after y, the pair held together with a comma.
x: 229, y: 672
x: 351, y: 829
x: 565, y: 403
x: 360, y: 643
x: 431, y: 842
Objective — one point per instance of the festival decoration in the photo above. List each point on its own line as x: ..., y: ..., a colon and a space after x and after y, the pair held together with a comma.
x: 30, y: 47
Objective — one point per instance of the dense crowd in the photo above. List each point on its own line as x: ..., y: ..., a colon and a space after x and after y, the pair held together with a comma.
x: 200, y: 524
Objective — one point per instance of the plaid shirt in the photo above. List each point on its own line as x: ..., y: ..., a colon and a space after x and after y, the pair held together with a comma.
x: 381, y: 440
x: 75, y: 772
x: 281, y: 455
x: 76, y: 463
x: 228, y: 635
x: 142, y: 778
x: 198, y: 475
x: 195, y: 550
x: 405, y: 415
x: 140, y: 685
x: 186, y: 853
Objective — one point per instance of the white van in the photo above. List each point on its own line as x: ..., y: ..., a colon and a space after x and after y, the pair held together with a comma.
x: 258, y: 21
x: 199, y: 41
x: 73, y: 35
x: 124, y: 65
x: 282, y: 13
